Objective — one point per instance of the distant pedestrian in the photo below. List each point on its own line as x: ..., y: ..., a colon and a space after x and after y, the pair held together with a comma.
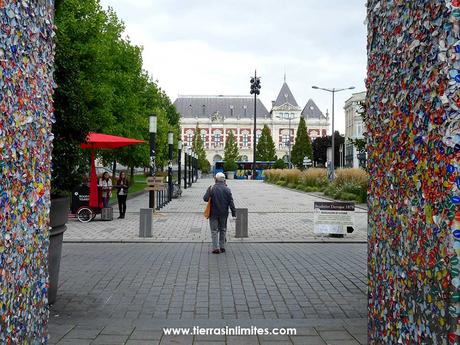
x: 122, y: 193
x: 105, y: 183
x: 221, y: 201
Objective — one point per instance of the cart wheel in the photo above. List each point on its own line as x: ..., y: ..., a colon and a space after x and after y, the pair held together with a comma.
x: 85, y: 214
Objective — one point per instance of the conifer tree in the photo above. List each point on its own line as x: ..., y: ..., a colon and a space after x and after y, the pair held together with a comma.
x: 231, y: 153
x: 198, y: 148
x: 302, y: 147
x: 266, y: 150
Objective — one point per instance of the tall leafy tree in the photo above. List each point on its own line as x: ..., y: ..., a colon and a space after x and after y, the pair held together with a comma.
x: 302, y: 147
x: 266, y: 150
x: 231, y: 151
x: 198, y: 148
x: 101, y: 87
x: 320, y: 146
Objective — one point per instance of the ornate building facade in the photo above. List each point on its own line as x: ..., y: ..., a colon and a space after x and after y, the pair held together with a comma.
x: 354, y: 127
x: 216, y: 116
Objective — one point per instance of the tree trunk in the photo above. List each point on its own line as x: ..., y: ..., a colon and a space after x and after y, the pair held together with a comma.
x: 131, y: 177
x: 114, y: 168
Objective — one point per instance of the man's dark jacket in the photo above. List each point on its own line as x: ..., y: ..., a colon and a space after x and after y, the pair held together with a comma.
x: 221, y: 200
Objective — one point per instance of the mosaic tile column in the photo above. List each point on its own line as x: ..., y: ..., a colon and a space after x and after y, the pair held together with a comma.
x: 414, y: 148
x: 26, y: 87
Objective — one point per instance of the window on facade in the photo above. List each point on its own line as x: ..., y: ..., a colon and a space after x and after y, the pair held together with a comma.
x: 189, y: 139
x: 217, y: 139
x: 203, y: 138
x: 286, y: 139
x: 245, y: 140
x: 359, y: 130
x: 258, y: 135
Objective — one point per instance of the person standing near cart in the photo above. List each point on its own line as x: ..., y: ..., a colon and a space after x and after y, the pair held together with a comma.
x: 105, y: 183
x: 122, y: 193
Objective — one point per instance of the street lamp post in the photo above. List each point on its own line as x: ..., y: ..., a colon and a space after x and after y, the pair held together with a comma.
x: 333, y: 91
x: 185, y: 168
x: 179, y: 157
x: 255, y: 90
x: 153, y: 132
x: 195, y: 167
x: 189, y: 182
x: 170, y: 182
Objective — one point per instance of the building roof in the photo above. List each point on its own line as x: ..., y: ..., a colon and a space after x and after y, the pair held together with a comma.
x: 356, y: 97
x: 311, y: 111
x: 285, y: 96
x: 208, y: 106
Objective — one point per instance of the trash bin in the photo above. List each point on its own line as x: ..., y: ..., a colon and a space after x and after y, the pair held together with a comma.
x: 145, y: 225
x: 241, y: 224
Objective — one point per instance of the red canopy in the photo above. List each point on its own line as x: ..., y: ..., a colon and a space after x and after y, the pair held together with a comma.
x: 105, y: 141
x: 102, y: 141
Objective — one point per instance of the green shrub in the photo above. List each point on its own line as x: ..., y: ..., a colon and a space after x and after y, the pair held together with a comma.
x: 279, y: 164
x: 292, y: 185
x: 348, y: 196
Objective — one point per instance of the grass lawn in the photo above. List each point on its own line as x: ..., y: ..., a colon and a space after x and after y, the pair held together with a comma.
x: 139, y: 184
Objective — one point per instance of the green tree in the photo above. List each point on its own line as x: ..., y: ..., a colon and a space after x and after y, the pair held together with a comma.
x: 231, y: 152
x: 198, y: 148
x: 101, y: 87
x: 265, y: 150
x: 231, y: 148
x: 279, y: 164
x: 321, y: 144
x: 302, y: 147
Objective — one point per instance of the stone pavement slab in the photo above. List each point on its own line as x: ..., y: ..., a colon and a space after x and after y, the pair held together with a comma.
x: 275, y: 215
x: 127, y: 293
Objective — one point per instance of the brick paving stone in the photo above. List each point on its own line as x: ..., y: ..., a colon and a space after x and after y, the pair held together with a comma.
x: 105, y: 288
x: 242, y: 340
x: 266, y: 204
x: 74, y: 342
x: 104, y: 339
x: 308, y: 339
x: 335, y: 335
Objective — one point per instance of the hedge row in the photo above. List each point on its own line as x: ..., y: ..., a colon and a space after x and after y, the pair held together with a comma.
x: 349, y: 184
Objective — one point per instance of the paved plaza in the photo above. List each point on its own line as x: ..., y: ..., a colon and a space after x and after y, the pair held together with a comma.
x: 275, y: 215
x: 126, y: 293
x: 117, y: 288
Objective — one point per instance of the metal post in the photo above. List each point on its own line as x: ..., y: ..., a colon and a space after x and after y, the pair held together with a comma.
x: 255, y: 89
x: 333, y: 141
x: 333, y: 91
x: 185, y: 169
x: 290, y: 162
x: 190, y: 168
x: 194, y: 167
x: 152, y: 130
x: 241, y: 225
x: 179, y: 157
x: 158, y: 199
x: 170, y: 182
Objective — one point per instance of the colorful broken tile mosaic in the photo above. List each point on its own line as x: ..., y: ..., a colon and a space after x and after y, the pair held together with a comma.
x: 26, y: 86
x: 413, y: 132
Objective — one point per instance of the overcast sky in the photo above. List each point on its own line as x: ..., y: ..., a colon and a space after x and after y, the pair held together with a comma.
x: 209, y: 47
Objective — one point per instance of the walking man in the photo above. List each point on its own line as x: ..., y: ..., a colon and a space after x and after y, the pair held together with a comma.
x: 221, y: 201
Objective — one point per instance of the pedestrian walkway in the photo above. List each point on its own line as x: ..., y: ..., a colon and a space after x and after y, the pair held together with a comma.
x: 275, y: 215
x: 127, y: 293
